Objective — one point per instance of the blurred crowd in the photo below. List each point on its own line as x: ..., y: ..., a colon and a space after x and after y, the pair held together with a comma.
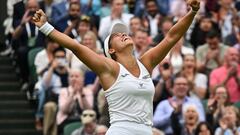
x: 197, y: 84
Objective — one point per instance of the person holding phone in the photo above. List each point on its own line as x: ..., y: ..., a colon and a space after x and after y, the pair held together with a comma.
x: 128, y: 86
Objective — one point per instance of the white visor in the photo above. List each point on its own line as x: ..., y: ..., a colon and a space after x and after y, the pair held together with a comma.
x: 117, y: 28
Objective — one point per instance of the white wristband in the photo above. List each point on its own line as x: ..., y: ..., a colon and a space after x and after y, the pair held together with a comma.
x: 46, y: 28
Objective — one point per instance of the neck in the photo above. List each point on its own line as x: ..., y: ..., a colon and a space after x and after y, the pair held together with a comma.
x: 190, y: 127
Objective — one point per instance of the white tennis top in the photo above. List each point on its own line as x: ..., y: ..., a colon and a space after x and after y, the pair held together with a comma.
x: 131, y: 98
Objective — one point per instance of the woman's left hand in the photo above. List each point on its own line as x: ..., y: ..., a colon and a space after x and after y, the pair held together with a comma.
x: 195, y: 4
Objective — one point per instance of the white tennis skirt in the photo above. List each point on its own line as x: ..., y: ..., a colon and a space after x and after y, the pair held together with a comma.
x: 129, y: 128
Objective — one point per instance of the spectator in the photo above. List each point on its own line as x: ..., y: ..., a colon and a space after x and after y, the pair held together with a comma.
x: 190, y: 117
x: 55, y: 78
x: 116, y: 16
x: 228, y: 75
x: 25, y: 37
x: 229, y: 122
x: 163, y: 27
x: 165, y: 108
x: 152, y: 17
x: 135, y: 25
x: 197, y: 81
x: 216, y: 105
x: 72, y: 16
x: 73, y: 100
x: 210, y: 55
x: 42, y: 62
x: 203, y: 128
x: 141, y: 40
x: 88, y: 119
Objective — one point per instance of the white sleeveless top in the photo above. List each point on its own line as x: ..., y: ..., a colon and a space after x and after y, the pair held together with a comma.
x: 131, y: 98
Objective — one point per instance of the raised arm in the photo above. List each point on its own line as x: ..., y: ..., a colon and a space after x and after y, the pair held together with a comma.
x: 94, y: 61
x: 153, y: 56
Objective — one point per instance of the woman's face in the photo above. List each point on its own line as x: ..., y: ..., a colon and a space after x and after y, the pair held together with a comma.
x: 230, y: 115
x: 135, y: 24
x: 89, y: 41
x: 75, y: 78
x: 221, y: 94
x: 204, y: 130
x: 191, y: 116
x: 120, y: 41
x: 205, y: 24
x: 83, y: 27
x: 189, y: 61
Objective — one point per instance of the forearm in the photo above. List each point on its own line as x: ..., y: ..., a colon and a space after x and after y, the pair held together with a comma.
x: 18, y: 31
x: 180, y: 28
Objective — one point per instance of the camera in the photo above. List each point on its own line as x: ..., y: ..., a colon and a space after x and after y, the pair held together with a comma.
x: 31, y: 13
x: 166, y: 66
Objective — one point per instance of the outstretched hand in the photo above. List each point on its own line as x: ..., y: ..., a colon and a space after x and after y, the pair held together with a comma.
x: 39, y: 18
x: 194, y: 4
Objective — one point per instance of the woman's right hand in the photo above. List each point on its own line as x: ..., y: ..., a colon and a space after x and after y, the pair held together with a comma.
x: 39, y: 18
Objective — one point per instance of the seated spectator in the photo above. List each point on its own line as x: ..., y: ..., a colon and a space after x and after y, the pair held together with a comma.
x: 164, y: 110
x: 135, y: 24
x: 210, y: 55
x: 55, y: 78
x: 73, y: 100
x: 101, y: 130
x: 197, y: 81
x: 26, y: 36
x: 190, y: 117
x: 72, y: 16
x: 228, y: 75
x: 203, y: 128
x: 216, y: 105
x: 164, y: 25
x: 141, y: 40
x: 116, y: 16
x: 42, y: 62
x: 229, y: 122
x: 89, y: 123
